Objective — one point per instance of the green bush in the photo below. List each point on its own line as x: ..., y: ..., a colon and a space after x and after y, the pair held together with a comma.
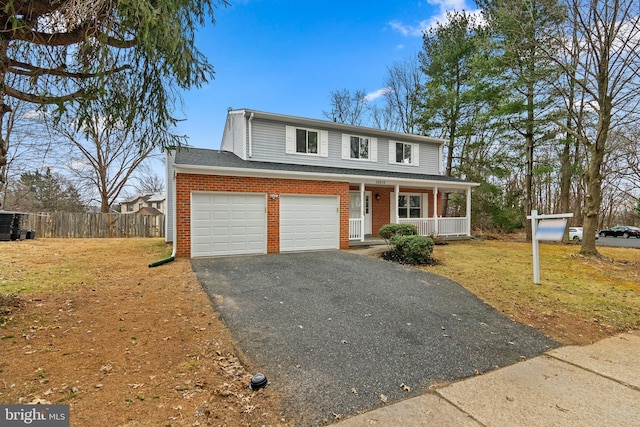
x: 412, y: 249
x: 387, y: 231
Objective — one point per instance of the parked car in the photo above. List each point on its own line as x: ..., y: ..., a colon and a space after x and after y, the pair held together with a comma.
x: 575, y: 234
x: 621, y: 230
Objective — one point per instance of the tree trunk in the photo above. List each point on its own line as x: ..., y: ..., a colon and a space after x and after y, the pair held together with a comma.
x: 593, y: 181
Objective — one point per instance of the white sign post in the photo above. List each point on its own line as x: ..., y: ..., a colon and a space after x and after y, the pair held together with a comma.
x: 551, y: 228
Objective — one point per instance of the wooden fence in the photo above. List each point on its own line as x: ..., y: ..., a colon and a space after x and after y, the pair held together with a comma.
x: 66, y: 224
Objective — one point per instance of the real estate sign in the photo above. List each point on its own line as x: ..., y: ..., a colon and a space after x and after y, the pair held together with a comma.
x: 545, y: 228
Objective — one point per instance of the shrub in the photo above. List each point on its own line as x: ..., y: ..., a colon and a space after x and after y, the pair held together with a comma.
x: 387, y: 231
x: 412, y: 249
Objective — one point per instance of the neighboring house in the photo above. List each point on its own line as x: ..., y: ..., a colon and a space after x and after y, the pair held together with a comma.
x: 281, y: 183
x: 157, y: 201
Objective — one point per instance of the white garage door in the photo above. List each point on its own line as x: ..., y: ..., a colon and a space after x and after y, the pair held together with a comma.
x: 228, y: 224
x: 309, y: 223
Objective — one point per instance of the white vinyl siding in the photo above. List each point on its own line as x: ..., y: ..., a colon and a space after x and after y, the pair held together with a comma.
x: 228, y: 224
x: 309, y: 222
x: 269, y: 146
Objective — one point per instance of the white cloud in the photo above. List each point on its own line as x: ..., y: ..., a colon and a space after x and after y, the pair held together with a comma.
x: 442, y: 8
x: 377, y: 94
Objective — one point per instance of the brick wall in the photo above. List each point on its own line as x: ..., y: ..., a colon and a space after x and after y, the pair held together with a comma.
x: 381, y: 209
x: 186, y: 183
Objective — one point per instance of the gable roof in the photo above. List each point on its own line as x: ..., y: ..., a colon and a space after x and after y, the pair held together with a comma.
x: 155, y: 197
x: 149, y: 211
x: 200, y: 160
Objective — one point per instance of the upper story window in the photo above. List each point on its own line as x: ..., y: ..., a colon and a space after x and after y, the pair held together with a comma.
x: 305, y: 141
x: 403, y: 153
x: 129, y: 207
x: 359, y: 148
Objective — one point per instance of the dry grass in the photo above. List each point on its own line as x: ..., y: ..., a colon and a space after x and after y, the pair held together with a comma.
x: 85, y: 322
x: 45, y: 265
x: 595, y: 297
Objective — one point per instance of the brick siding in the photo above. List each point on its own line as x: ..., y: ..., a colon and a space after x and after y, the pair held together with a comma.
x: 381, y: 209
x: 186, y: 183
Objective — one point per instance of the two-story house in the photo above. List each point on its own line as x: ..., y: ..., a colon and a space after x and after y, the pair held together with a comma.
x: 280, y: 183
x: 150, y: 204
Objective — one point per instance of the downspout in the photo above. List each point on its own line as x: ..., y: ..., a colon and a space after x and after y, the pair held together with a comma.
x: 250, y: 137
x: 175, y: 227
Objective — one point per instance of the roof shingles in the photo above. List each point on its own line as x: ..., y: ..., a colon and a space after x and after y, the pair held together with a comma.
x: 222, y: 159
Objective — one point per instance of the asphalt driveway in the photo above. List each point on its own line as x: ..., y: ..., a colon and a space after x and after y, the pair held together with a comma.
x: 335, y: 331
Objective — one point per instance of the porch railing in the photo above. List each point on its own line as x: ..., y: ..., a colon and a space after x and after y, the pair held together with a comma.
x: 445, y: 226
x: 453, y: 226
x: 355, y: 229
x: 426, y: 226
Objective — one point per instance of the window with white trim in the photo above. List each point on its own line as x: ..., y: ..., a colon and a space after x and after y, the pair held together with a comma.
x: 409, y: 205
x: 306, y: 141
x: 359, y: 148
x: 312, y: 142
x: 403, y: 153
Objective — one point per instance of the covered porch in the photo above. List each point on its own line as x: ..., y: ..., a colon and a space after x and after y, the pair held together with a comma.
x: 371, y: 205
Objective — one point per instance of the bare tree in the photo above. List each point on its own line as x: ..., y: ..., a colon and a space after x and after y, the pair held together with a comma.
x: 27, y: 144
x: 346, y: 107
x: 607, y: 71
x: 147, y: 181
x: 105, y: 154
x: 403, y: 82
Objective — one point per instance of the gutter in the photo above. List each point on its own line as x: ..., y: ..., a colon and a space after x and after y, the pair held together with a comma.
x: 367, y: 179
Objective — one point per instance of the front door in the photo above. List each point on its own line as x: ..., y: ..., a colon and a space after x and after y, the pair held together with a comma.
x: 354, y: 208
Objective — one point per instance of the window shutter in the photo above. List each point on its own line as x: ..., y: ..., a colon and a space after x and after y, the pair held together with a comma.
x: 324, y: 143
x: 374, y: 149
x: 424, y: 206
x: 416, y: 155
x: 346, y: 146
x: 290, y: 140
x: 392, y: 152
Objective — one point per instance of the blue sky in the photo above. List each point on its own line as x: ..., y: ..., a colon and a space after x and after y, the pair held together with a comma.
x: 286, y: 56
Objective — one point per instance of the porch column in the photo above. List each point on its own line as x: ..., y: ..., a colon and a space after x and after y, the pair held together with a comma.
x: 362, y: 203
x: 435, y: 210
x: 469, y: 211
x: 397, y: 194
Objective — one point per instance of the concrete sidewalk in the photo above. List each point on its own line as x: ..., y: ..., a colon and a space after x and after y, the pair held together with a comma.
x: 594, y: 385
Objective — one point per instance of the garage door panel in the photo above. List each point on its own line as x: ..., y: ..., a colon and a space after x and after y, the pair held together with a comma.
x: 309, y: 222
x: 228, y: 224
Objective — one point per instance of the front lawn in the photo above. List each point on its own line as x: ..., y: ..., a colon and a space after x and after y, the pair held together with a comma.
x: 580, y: 300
